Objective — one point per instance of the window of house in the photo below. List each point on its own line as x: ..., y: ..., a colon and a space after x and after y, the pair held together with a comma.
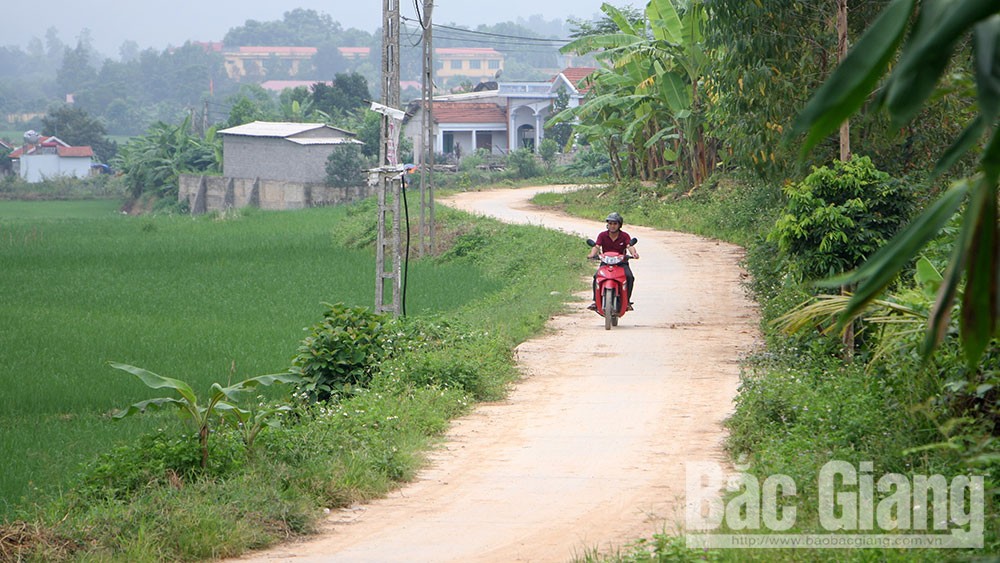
x: 475, y: 65
x: 484, y: 141
x: 438, y: 65
x: 493, y: 64
x: 448, y: 142
x: 456, y: 65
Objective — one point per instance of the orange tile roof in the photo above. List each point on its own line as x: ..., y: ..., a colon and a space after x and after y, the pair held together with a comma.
x: 468, y: 112
x: 75, y: 151
x: 62, y: 149
x: 576, y: 74
x: 357, y: 51
x: 477, y: 51
x: 278, y: 51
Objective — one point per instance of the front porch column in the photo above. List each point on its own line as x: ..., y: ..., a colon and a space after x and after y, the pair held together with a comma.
x: 538, y: 131
x: 512, y: 135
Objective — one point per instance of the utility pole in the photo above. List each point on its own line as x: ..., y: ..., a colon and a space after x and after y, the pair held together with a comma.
x: 427, y: 137
x: 845, y: 155
x: 390, y: 72
x: 388, y: 251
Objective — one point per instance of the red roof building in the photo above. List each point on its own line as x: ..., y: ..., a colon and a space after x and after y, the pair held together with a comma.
x: 504, y: 117
x: 51, y: 157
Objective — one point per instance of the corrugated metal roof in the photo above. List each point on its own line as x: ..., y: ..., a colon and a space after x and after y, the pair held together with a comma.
x: 326, y: 141
x: 276, y: 129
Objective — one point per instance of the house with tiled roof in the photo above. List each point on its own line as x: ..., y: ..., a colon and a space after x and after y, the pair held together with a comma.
x: 50, y: 157
x: 510, y: 117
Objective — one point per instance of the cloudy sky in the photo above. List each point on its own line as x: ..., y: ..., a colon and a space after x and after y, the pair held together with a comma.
x: 159, y: 23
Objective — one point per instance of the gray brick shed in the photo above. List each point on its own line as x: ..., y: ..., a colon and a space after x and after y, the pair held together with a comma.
x: 291, y: 152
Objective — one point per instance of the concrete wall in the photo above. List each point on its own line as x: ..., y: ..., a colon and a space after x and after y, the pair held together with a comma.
x: 271, y: 158
x: 219, y: 193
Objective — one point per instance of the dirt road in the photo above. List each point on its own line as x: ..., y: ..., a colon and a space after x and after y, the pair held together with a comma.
x: 589, y: 450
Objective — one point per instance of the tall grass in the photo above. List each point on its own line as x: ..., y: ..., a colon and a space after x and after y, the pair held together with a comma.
x: 208, y: 299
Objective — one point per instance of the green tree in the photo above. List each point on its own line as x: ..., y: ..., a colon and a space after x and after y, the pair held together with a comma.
x: 839, y: 216
x: 251, y: 103
x: 561, y: 133
x: 328, y: 61
x: 345, y: 97
x: 345, y: 167
x: 78, y: 128
x: 76, y: 72
x: 925, y: 37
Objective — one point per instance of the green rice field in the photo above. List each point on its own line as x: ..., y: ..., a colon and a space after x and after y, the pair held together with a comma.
x: 205, y: 299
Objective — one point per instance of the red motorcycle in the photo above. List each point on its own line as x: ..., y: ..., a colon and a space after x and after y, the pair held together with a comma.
x: 611, y: 290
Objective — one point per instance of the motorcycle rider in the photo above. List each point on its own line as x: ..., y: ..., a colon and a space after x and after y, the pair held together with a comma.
x: 615, y: 240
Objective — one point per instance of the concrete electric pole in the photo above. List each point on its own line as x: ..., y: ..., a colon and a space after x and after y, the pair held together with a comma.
x: 388, y: 250
x: 427, y: 137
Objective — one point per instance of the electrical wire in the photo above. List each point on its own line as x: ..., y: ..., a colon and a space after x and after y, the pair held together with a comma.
x: 437, y: 26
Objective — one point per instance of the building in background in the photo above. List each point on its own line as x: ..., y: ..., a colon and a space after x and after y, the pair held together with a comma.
x: 42, y: 157
x: 292, y: 152
x: 473, y: 63
x: 510, y: 117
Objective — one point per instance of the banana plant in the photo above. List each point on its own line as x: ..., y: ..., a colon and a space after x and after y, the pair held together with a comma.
x: 647, y: 97
x: 221, y: 402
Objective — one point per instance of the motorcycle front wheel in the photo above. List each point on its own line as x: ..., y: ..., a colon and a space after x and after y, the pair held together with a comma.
x: 609, y: 308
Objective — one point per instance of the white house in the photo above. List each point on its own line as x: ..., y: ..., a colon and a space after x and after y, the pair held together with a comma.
x: 50, y: 157
x: 510, y: 117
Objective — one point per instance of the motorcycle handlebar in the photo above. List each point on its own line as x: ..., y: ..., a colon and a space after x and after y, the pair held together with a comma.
x: 598, y: 257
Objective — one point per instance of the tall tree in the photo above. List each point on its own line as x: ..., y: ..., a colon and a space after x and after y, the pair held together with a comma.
x: 76, y: 127
x: 76, y: 72
x: 348, y: 94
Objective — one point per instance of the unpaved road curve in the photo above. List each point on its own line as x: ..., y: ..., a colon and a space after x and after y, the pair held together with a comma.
x: 588, y: 451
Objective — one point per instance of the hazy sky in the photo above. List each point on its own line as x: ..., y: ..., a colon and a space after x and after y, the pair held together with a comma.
x: 160, y: 23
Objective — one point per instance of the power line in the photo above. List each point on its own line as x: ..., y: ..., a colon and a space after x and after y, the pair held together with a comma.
x: 488, y: 34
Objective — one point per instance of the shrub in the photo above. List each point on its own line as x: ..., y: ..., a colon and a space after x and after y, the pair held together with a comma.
x: 521, y: 164
x: 547, y: 150
x: 345, y: 167
x: 342, y: 350
x: 156, y: 459
x: 839, y: 215
x: 590, y: 163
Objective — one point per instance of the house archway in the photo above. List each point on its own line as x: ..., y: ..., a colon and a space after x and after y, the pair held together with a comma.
x: 526, y: 137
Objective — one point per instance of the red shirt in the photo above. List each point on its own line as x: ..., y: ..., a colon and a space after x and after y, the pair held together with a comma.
x: 608, y: 245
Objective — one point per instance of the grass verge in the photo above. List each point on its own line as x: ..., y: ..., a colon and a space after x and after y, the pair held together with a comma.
x: 173, y: 295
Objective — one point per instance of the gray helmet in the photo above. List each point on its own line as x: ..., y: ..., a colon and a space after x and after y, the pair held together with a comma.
x: 614, y: 216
